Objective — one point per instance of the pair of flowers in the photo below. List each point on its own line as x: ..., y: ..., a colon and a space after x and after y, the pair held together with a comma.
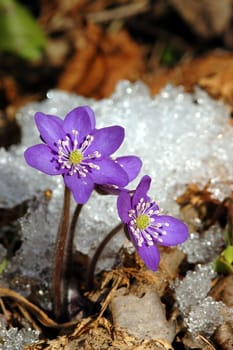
x: 81, y: 153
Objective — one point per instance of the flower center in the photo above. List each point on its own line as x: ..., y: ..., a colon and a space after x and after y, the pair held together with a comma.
x: 75, y: 157
x: 142, y: 221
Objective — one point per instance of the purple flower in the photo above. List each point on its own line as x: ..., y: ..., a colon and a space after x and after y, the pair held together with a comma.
x: 145, y: 226
x: 75, y: 149
x: 131, y: 165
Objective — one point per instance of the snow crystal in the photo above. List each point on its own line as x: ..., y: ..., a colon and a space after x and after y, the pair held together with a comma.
x: 203, y: 248
x: 207, y: 315
x: 194, y: 287
x: 202, y: 313
x: 13, y: 338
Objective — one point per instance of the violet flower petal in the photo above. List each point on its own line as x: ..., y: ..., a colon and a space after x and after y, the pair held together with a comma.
x: 123, y: 206
x: 80, y: 187
x: 81, y: 119
x: 107, y: 140
x: 146, y: 227
x: 81, y: 153
x: 150, y: 255
x: 42, y: 158
x: 109, y: 172
x: 131, y: 164
x: 175, y: 231
x: 55, y: 117
x: 50, y: 129
x: 141, y: 190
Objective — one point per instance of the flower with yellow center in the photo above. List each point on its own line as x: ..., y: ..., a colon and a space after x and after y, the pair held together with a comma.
x: 145, y: 226
x: 77, y: 150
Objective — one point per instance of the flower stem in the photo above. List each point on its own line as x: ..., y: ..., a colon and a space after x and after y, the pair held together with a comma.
x: 61, y: 262
x: 72, y: 228
x: 100, y: 248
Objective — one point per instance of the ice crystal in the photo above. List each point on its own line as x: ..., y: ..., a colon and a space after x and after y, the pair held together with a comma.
x: 13, y: 338
x: 206, y: 316
x: 194, y: 287
x: 203, y: 248
x: 201, y: 312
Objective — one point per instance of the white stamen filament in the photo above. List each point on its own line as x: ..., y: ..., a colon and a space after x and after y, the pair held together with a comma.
x: 152, y: 233
x: 70, y: 146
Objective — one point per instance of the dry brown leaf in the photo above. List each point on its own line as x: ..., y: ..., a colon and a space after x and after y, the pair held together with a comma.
x: 171, y: 258
x: 100, y: 61
x: 199, y: 204
x: 223, y: 290
x: 224, y: 336
x: 208, y: 18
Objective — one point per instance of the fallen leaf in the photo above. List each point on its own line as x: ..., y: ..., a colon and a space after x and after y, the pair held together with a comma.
x: 100, y: 61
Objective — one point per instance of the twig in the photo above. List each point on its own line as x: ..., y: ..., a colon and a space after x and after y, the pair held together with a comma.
x: 41, y: 316
x: 119, y: 12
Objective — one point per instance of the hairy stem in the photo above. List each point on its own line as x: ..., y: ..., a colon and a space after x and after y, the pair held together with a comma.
x: 95, y: 258
x: 61, y: 262
x: 72, y: 228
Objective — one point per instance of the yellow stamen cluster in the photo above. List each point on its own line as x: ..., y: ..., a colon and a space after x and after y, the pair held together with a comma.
x: 142, y: 221
x: 76, y: 157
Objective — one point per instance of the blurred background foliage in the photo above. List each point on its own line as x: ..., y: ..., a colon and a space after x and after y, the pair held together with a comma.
x: 20, y: 33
